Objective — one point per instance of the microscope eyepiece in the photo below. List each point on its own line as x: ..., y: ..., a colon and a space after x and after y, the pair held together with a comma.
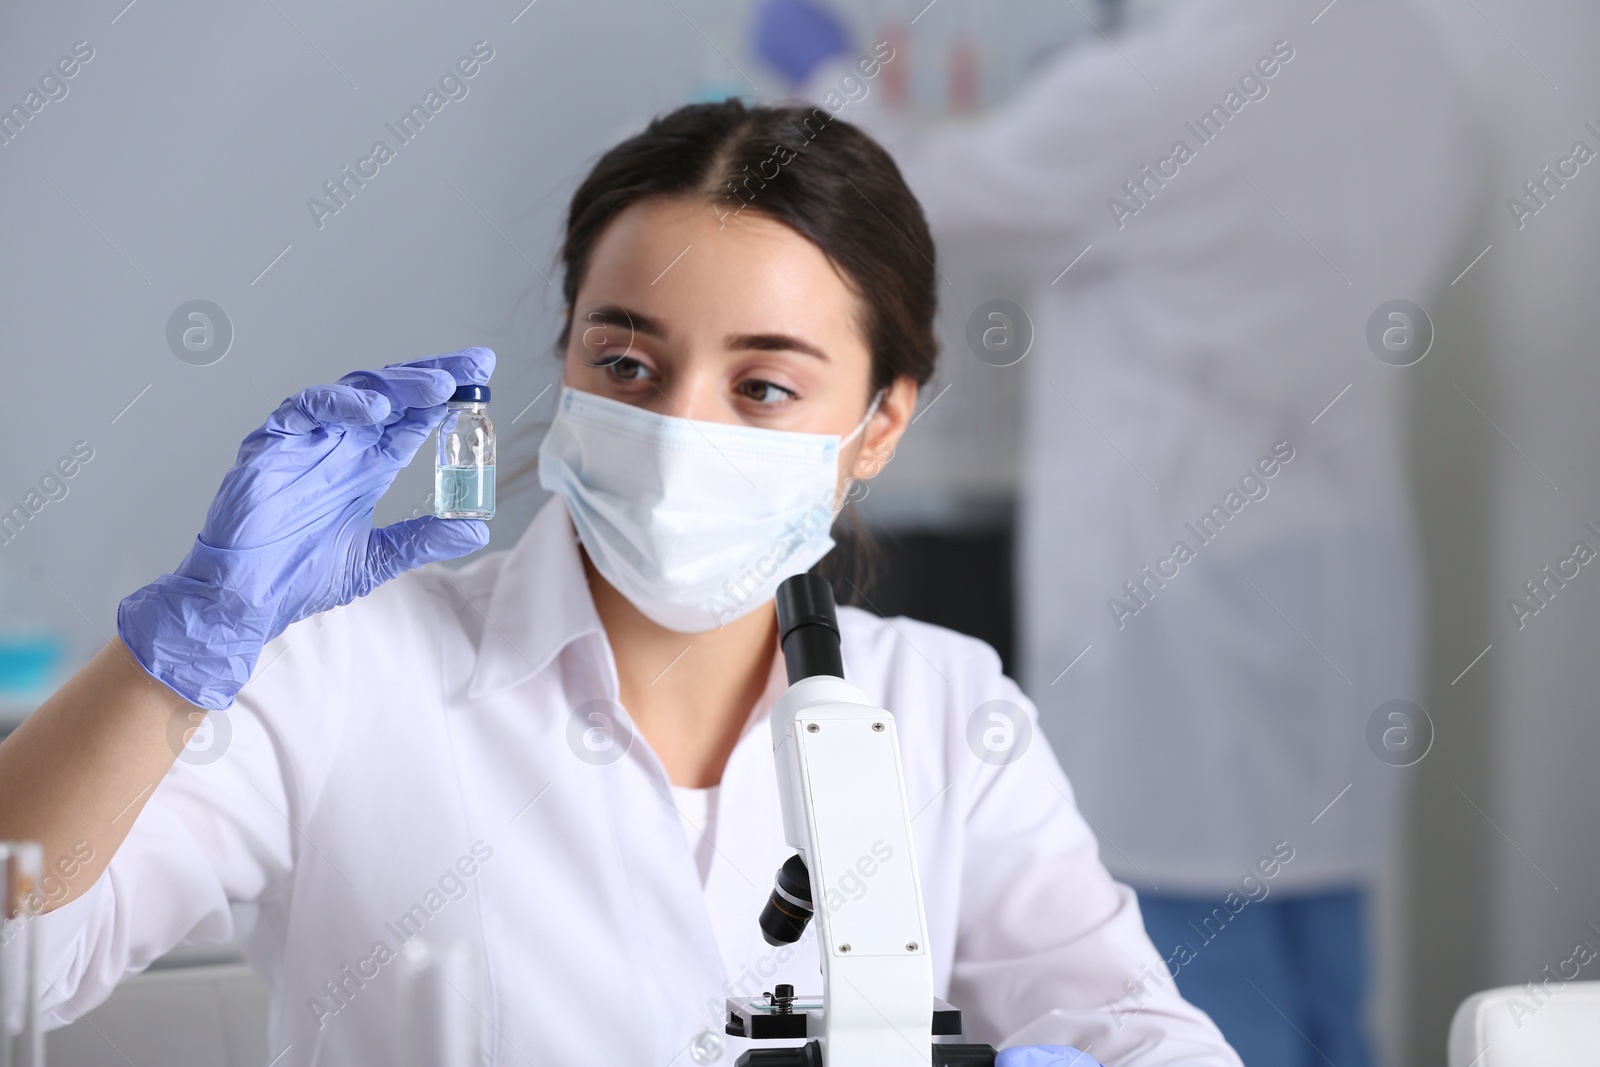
x: 808, y: 628
x: 788, y: 910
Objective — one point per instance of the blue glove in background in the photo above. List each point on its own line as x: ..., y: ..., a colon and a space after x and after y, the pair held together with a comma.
x: 796, y: 36
x: 290, y: 532
x: 1043, y: 1056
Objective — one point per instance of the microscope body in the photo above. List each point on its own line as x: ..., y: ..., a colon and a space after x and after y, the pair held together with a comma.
x: 841, y: 787
x: 844, y: 809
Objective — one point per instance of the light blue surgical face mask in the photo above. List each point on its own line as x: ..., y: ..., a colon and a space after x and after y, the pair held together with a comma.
x: 696, y: 523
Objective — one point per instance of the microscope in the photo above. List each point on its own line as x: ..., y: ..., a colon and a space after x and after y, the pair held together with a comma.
x: 843, y: 797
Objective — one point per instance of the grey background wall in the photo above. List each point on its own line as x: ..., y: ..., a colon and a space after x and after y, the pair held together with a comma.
x: 178, y: 165
x: 1504, y: 864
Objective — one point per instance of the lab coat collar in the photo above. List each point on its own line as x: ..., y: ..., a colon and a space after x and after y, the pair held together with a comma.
x: 539, y: 605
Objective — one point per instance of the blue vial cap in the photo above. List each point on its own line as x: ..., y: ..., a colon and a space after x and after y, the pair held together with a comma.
x: 470, y: 393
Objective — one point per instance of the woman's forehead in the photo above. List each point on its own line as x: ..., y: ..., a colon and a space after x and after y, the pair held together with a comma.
x: 685, y: 268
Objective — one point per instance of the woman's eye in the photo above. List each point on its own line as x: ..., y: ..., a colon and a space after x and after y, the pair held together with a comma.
x: 625, y: 367
x: 765, y: 392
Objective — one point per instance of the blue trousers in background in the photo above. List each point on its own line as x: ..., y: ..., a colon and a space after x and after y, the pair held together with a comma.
x: 1284, y: 978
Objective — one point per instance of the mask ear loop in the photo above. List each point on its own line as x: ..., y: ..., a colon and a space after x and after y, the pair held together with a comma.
x: 872, y: 409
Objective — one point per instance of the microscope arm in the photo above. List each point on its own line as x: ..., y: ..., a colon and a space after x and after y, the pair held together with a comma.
x: 842, y: 791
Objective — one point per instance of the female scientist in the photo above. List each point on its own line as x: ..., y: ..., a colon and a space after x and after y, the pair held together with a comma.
x: 559, y: 753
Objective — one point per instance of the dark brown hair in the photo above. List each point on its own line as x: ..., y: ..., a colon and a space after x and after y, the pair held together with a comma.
x: 817, y: 174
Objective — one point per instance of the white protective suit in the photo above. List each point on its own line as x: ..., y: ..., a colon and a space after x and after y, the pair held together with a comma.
x: 1221, y: 305
x: 445, y: 759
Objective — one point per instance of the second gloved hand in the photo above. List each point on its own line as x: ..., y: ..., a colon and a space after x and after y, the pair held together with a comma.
x: 1043, y: 1056
x: 290, y: 532
x: 796, y: 36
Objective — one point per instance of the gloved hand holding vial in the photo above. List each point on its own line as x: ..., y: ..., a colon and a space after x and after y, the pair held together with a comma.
x: 290, y: 533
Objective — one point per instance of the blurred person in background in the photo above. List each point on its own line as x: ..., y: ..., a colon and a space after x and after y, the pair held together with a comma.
x: 1218, y: 576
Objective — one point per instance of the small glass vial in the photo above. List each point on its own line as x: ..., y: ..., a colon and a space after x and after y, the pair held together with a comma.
x: 436, y: 1006
x: 463, y: 478
x: 21, y: 1036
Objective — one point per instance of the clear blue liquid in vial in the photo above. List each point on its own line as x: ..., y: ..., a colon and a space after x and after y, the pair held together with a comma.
x: 463, y: 492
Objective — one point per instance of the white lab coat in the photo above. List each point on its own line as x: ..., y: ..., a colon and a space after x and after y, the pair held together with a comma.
x: 407, y: 764
x: 1193, y: 337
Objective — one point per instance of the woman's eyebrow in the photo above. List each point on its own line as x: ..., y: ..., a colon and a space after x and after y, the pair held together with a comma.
x: 774, y: 342
x: 615, y: 315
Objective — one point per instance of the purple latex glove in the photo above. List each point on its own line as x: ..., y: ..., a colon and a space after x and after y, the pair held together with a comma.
x: 1043, y: 1056
x: 290, y: 532
x: 796, y: 36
